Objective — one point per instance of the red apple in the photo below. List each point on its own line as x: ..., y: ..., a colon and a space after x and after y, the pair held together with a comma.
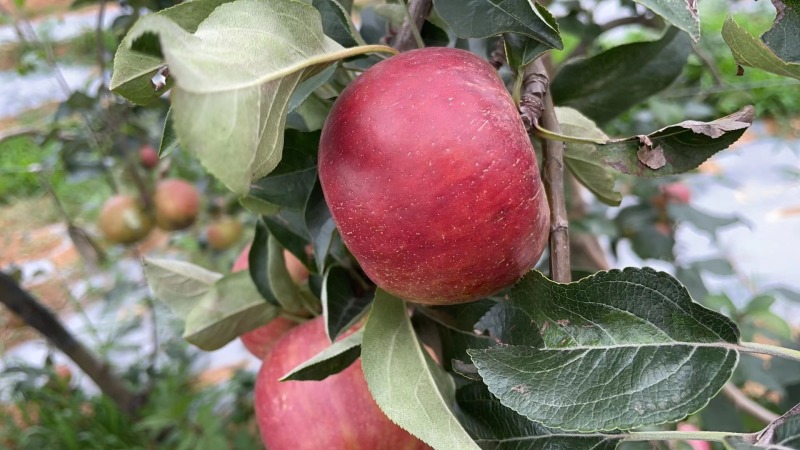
x: 177, y: 203
x: 335, y: 413
x: 259, y: 341
x: 148, y: 156
x: 671, y: 193
x: 677, y: 193
x: 123, y: 220
x: 224, y: 232
x: 431, y: 178
x: 297, y: 270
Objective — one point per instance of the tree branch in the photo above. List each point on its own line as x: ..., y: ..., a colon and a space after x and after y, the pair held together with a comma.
x: 40, y: 318
x: 536, y: 106
x: 744, y: 403
x: 418, y: 11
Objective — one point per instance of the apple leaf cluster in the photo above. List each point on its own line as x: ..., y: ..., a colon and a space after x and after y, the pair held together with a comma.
x: 536, y: 365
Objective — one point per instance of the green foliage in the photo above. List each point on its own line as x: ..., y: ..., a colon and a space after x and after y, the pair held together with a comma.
x: 176, y: 414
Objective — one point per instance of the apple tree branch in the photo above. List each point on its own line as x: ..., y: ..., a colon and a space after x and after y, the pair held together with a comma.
x: 536, y: 107
x: 40, y: 318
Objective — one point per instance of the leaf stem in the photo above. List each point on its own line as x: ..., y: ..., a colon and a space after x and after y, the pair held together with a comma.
x: 516, y: 92
x: 716, y: 436
x: 416, y: 12
x: 773, y: 350
x: 544, y: 133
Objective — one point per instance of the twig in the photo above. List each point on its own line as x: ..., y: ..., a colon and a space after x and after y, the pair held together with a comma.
x: 409, y: 38
x: 765, y: 437
x: 41, y: 319
x: 101, y: 48
x: 94, y: 141
x: 709, y: 63
x: 537, y: 107
x: 743, y: 402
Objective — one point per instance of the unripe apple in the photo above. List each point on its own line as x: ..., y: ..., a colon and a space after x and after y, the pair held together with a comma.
x: 224, y: 232
x: 431, y: 178
x: 259, y: 341
x: 123, y: 220
x: 340, y: 407
x: 148, y: 156
x: 177, y: 203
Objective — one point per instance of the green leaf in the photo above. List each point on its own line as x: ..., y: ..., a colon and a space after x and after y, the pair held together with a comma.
x: 320, y: 225
x: 681, y: 13
x: 677, y: 148
x: 701, y: 220
x: 412, y: 390
x: 285, y: 289
x: 457, y: 325
x: 289, y: 190
x: 522, y: 50
x: 605, y: 85
x: 342, y: 307
x: 134, y: 71
x: 783, y: 434
x: 336, y: 23
x: 622, y: 349
x: 584, y: 161
x: 288, y: 227
x: 784, y: 36
x: 169, y: 140
x: 234, y: 78
x: 215, y: 309
x: 258, y: 260
x: 749, y: 51
x: 496, y: 427
x: 484, y: 18
x: 638, y: 224
x: 330, y: 361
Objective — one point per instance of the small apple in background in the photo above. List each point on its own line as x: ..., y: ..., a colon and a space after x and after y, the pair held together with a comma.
x: 340, y: 407
x: 677, y: 193
x: 148, y: 156
x: 672, y: 193
x: 434, y: 186
x: 123, y: 220
x: 261, y: 340
x: 224, y: 232
x: 176, y: 204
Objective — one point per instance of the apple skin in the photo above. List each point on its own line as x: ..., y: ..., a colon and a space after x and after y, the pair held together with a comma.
x: 123, y: 220
x: 431, y: 178
x: 148, y: 156
x: 335, y: 413
x: 224, y: 232
x: 177, y: 203
x: 259, y: 341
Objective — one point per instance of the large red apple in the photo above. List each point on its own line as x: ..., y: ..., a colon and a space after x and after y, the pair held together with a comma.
x: 177, y: 203
x: 335, y: 413
x: 123, y: 220
x: 259, y: 341
x: 431, y: 178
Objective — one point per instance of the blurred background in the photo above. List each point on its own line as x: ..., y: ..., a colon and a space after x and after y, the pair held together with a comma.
x: 730, y: 231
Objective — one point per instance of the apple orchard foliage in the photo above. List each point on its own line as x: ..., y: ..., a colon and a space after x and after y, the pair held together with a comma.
x: 415, y: 172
